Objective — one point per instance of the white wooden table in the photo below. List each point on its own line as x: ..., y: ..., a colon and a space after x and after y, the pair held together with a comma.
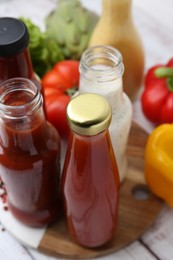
x: 154, y: 20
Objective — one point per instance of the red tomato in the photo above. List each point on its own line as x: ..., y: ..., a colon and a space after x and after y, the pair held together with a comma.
x: 51, y: 90
x: 56, y: 112
x: 53, y: 79
x: 63, y: 77
x: 69, y: 70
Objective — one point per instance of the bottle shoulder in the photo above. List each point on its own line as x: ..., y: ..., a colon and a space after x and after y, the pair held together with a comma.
x: 53, y: 137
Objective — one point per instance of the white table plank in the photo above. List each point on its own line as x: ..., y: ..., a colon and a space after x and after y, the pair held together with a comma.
x: 37, y: 10
x: 28, y: 236
x: 131, y: 252
x: 157, y: 40
x: 11, y: 249
x: 159, y: 10
x: 160, y: 236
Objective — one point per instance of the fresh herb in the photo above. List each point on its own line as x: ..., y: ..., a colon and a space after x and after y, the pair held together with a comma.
x: 44, y: 51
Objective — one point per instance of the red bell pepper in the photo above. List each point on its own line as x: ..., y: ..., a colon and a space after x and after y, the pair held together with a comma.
x: 157, y: 98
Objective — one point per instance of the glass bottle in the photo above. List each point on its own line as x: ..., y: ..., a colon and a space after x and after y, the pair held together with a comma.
x: 15, y: 60
x: 90, y: 179
x: 29, y: 154
x: 117, y: 29
x: 101, y: 70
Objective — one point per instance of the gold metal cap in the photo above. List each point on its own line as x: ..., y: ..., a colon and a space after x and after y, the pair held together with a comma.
x: 89, y: 114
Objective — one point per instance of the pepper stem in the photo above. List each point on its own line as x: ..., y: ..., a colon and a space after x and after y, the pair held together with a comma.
x: 163, y: 72
x: 169, y: 82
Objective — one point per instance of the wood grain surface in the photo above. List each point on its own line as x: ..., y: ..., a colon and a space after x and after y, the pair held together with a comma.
x: 135, y: 215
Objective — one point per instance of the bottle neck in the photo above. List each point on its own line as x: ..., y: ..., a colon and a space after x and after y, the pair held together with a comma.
x: 116, y: 10
x: 18, y: 65
x: 21, y: 105
x: 90, y: 139
x: 101, y: 71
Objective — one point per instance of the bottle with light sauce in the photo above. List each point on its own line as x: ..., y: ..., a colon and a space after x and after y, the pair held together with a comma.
x: 90, y: 178
x: 15, y: 60
x: 101, y: 70
x: 29, y: 154
x: 117, y: 29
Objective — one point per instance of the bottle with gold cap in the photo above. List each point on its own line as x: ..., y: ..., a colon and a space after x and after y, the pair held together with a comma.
x: 90, y: 178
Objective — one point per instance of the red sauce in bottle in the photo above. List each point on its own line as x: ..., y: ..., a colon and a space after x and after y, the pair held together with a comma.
x: 15, y: 60
x: 29, y: 157
x: 90, y: 180
x: 18, y: 65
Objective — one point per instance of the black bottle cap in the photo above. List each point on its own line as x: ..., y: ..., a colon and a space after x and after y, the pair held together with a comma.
x: 14, y: 37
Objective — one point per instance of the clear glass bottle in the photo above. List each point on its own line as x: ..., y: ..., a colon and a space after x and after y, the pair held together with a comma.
x: 90, y: 179
x: 101, y: 70
x: 29, y: 154
x: 117, y: 29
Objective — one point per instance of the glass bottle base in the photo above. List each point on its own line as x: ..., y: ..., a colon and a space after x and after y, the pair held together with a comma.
x: 37, y: 218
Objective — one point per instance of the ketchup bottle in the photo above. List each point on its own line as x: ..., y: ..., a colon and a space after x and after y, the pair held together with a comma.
x: 29, y: 154
x: 15, y: 60
x: 90, y: 179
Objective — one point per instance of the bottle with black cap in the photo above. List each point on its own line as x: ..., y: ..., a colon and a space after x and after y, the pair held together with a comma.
x: 15, y: 60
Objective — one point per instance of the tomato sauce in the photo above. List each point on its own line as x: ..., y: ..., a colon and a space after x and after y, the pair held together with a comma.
x: 29, y: 162
x: 18, y: 65
x: 90, y: 184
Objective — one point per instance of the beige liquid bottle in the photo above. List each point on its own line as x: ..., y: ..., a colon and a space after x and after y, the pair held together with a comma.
x: 116, y: 28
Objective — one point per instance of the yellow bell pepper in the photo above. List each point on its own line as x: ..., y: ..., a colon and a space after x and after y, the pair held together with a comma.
x: 158, y: 166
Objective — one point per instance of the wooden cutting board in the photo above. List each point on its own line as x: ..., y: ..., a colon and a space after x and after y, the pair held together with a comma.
x: 138, y: 209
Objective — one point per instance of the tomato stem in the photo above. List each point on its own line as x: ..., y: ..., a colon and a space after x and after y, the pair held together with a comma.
x: 71, y: 91
x: 163, y: 72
